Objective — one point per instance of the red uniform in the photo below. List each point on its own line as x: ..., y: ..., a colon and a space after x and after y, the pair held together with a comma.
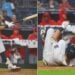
x: 3, y: 36
x: 73, y: 40
x: 33, y: 36
x: 62, y: 16
x: 47, y: 22
x: 14, y: 35
x: 17, y: 35
x: 8, y: 52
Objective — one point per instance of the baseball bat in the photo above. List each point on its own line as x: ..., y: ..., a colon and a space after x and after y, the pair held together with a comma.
x: 30, y: 17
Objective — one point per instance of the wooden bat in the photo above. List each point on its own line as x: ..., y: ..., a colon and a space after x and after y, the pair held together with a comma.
x: 30, y: 17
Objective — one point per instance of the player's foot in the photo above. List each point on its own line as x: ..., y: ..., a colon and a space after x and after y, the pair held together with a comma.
x: 64, y: 62
x: 13, y: 68
x: 44, y: 62
x: 70, y: 65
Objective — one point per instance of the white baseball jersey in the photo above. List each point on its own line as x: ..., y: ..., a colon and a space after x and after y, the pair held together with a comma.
x: 53, y: 51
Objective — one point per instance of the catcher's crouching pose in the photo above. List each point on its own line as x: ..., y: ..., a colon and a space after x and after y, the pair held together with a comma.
x: 54, y: 52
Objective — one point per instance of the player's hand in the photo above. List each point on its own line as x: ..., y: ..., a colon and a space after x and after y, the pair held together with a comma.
x: 2, y: 27
x: 65, y: 24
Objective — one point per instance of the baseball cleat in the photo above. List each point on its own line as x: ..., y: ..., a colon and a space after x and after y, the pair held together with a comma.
x: 14, y: 68
x: 44, y: 62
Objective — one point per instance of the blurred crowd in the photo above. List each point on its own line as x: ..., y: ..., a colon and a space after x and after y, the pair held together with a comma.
x: 52, y: 4
x: 47, y: 19
x: 60, y: 9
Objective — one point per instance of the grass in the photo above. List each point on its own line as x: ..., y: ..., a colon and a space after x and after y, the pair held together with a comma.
x: 57, y: 72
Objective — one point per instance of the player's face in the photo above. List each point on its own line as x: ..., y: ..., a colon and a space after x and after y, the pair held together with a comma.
x: 64, y: 1
x: 52, y: 1
x: 46, y: 18
x: 57, y: 35
x: 65, y: 17
x: 16, y: 32
x: 35, y: 32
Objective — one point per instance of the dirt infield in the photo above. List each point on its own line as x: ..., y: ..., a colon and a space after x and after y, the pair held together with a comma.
x: 21, y: 72
x: 41, y: 66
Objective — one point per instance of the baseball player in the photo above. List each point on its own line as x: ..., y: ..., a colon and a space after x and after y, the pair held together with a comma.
x: 17, y: 35
x: 55, y: 46
x: 33, y: 52
x: 46, y: 20
x: 4, y: 58
x: 2, y: 50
